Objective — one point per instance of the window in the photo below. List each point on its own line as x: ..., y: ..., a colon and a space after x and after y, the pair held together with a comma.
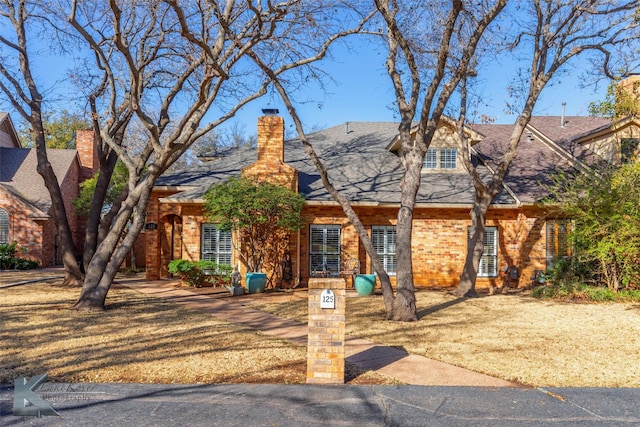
x: 384, y: 241
x: 440, y: 158
x: 431, y: 159
x: 448, y: 158
x: 216, y: 244
x: 558, y: 245
x: 628, y: 150
x: 4, y: 226
x: 324, y: 253
x: 489, y: 261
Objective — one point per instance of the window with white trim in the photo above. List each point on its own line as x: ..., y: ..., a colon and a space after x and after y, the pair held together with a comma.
x: 324, y: 250
x: 431, y: 159
x: 558, y: 244
x: 448, y: 158
x: 383, y: 238
x: 441, y: 158
x: 489, y: 261
x: 4, y: 226
x: 216, y: 244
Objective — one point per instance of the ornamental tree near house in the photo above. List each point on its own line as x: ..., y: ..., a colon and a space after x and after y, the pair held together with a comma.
x: 604, y: 206
x: 262, y: 215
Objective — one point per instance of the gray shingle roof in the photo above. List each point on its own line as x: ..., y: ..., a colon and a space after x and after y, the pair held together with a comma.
x: 18, y: 172
x: 363, y: 169
x: 358, y: 162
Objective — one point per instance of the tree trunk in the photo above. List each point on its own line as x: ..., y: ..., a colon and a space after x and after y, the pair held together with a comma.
x: 92, y: 237
x: 73, y: 275
x: 404, y: 307
x: 112, y: 251
x: 467, y: 285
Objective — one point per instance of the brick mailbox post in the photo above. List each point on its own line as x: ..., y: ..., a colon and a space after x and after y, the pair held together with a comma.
x: 325, y: 350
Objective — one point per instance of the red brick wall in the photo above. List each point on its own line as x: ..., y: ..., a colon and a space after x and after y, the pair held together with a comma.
x: 34, y: 237
x: 440, y: 241
x: 439, y: 235
x: 87, y: 152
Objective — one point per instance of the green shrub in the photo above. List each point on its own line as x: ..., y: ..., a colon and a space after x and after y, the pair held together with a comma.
x: 9, y: 260
x: 195, y: 273
x: 584, y: 292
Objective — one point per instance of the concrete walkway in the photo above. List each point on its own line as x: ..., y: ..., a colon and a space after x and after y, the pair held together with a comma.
x: 392, y: 362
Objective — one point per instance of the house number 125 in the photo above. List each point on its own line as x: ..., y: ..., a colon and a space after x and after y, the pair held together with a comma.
x: 327, y: 299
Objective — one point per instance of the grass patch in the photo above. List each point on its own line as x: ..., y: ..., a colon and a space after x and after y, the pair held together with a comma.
x: 539, y: 342
x: 139, y: 339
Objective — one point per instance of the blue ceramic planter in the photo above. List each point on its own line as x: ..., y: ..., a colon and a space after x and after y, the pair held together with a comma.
x: 256, y: 282
x: 365, y: 284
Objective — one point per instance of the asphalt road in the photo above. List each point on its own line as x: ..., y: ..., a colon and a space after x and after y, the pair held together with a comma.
x: 88, y: 404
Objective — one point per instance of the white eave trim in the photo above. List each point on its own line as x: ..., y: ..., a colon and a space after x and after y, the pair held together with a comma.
x: 197, y: 201
x: 331, y: 203
x: 418, y: 205
x: 173, y: 188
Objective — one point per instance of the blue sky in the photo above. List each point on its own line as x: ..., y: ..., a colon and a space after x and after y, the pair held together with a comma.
x: 361, y: 91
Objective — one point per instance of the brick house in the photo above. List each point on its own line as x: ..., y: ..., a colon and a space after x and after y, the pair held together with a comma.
x: 363, y: 162
x: 25, y: 205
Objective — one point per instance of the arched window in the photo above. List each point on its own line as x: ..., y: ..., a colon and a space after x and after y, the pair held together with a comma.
x: 4, y: 226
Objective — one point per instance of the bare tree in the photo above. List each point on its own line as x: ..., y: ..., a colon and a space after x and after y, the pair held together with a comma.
x: 550, y: 33
x: 180, y: 68
x: 442, y: 61
x: 454, y: 36
x: 20, y: 87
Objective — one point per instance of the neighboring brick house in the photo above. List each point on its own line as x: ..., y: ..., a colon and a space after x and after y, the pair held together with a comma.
x: 364, y: 165
x: 25, y: 205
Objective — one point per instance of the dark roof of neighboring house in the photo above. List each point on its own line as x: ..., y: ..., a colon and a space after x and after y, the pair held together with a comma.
x: 18, y: 173
x: 361, y: 166
x: 545, y: 149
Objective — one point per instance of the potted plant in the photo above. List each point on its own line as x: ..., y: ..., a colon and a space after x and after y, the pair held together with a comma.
x: 365, y: 284
x: 262, y: 216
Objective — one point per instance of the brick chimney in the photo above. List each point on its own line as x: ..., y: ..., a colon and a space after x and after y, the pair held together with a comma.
x: 86, y: 146
x: 271, y: 138
x: 270, y: 165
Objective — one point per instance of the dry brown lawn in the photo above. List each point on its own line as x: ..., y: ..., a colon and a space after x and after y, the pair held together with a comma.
x: 142, y: 339
x: 139, y: 339
x: 514, y: 336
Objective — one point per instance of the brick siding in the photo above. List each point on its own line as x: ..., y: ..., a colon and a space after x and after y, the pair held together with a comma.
x: 439, y: 234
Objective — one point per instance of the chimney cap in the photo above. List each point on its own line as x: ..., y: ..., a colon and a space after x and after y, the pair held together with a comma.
x: 270, y: 111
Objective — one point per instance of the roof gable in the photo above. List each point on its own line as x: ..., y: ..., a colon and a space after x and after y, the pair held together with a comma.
x: 8, y: 135
x: 446, y: 129
x: 19, y: 171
